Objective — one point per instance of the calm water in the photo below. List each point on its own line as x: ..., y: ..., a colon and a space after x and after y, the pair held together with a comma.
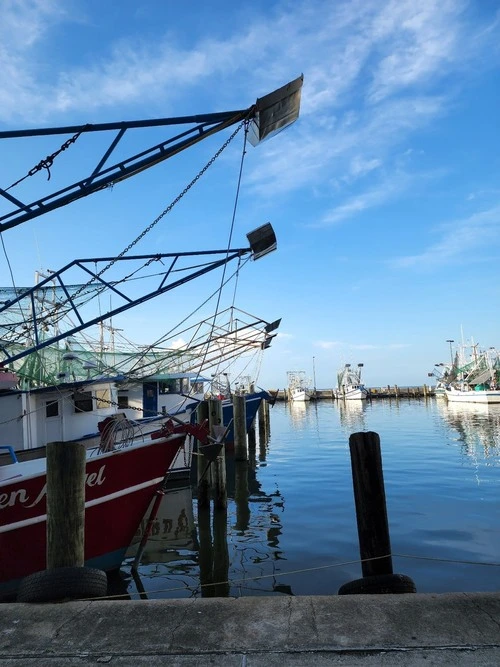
x: 294, y: 530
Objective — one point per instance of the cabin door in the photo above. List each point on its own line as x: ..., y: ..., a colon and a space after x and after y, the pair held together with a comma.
x: 149, y: 399
x: 53, y: 420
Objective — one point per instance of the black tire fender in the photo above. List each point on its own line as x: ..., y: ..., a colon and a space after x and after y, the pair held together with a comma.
x: 63, y: 583
x: 379, y: 584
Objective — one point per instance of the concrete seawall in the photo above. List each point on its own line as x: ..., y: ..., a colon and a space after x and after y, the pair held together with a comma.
x: 446, y: 629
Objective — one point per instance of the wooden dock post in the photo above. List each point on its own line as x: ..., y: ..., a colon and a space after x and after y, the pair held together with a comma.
x: 373, y: 527
x: 65, y: 504
x: 240, y: 428
x: 268, y: 418
x: 220, y: 566
x: 219, y: 465
x: 263, y: 430
x: 205, y: 551
x: 204, y: 469
x: 369, y: 496
x: 241, y: 494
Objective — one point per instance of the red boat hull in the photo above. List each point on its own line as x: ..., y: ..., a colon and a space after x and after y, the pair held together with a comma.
x: 118, y: 489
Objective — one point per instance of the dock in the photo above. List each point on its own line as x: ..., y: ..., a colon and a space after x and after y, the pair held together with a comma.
x: 388, y: 391
x: 459, y: 629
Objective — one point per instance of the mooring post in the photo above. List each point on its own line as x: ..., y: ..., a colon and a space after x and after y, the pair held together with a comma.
x: 220, y: 569
x: 205, y: 551
x: 241, y: 494
x: 252, y: 445
x: 268, y: 418
x: 240, y: 428
x: 262, y: 423
x: 203, y: 467
x: 219, y: 465
x: 369, y: 496
x: 65, y: 504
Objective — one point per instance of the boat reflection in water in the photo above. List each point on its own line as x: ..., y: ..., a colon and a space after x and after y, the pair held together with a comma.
x: 352, y: 415
x: 172, y: 531
x: 478, y: 426
x: 298, y: 412
x: 196, y: 552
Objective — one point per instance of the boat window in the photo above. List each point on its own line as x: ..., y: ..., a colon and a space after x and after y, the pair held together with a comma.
x: 197, y: 388
x: 123, y: 401
x: 51, y: 408
x: 169, y: 387
x: 83, y: 401
x: 103, y: 398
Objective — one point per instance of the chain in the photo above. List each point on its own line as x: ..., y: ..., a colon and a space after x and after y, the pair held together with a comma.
x: 164, y: 212
x: 49, y: 160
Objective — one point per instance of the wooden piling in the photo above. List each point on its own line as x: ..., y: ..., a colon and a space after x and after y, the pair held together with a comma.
x: 369, y: 496
x: 241, y: 494
x: 240, y: 430
x: 205, y: 552
x: 219, y: 465
x: 220, y: 566
x: 262, y: 422
x: 268, y: 418
x: 65, y: 504
x: 203, y: 467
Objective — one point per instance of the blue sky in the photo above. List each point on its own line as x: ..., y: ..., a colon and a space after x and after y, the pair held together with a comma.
x: 384, y: 195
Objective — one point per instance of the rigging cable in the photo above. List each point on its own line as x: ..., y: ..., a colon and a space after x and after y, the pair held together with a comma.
x: 152, y: 224
x: 246, y: 123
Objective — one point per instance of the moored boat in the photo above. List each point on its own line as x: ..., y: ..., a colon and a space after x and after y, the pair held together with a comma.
x: 474, y: 377
x: 119, y: 485
x: 349, y: 384
x: 299, y: 388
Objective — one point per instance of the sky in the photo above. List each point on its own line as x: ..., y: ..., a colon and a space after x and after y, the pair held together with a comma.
x: 384, y: 194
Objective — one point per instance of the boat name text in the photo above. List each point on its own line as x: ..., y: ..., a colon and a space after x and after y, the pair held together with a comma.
x: 21, y: 495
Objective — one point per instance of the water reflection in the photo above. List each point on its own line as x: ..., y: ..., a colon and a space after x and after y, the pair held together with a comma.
x: 298, y: 413
x: 172, y: 530
x: 352, y: 415
x: 199, y: 552
x: 477, y: 425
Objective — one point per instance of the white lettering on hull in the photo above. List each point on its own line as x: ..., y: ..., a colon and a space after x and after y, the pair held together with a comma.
x: 21, y: 497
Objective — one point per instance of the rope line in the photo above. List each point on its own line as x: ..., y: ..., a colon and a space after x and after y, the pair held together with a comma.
x: 233, y: 582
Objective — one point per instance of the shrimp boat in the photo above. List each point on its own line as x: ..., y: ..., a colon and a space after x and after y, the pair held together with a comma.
x: 119, y: 485
x: 349, y: 384
x: 474, y: 378
x: 299, y: 387
x: 122, y: 475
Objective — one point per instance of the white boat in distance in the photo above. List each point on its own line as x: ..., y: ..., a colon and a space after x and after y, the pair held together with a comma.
x: 476, y: 379
x: 349, y: 384
x: 298, y: 386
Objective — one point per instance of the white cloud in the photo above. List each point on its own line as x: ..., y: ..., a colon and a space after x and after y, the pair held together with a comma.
x: 374, y: 74
x: 281, y: 334
x: 460, y: 239
x: 327, y: 344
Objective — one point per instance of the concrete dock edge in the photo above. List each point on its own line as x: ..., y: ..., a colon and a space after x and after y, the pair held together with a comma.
x: 441, y: 629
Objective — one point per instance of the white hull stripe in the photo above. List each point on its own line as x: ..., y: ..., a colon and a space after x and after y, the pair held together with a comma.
x: 92, y: 503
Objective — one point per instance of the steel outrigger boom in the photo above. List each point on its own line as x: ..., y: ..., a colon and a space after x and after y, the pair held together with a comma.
x: 267, y: 116
x: 261, y: 241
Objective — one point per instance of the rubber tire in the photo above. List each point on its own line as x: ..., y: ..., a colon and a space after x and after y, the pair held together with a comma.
x: 379, y: 584
x: 63, y: 583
